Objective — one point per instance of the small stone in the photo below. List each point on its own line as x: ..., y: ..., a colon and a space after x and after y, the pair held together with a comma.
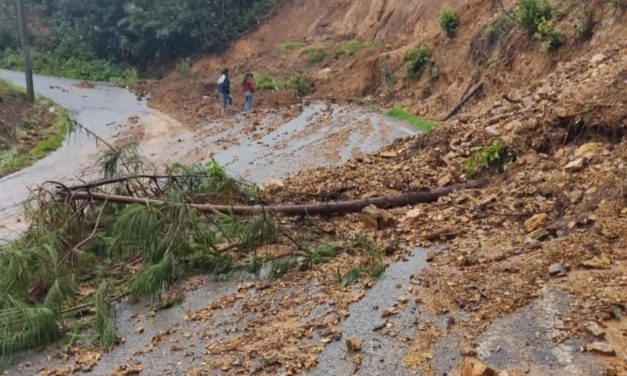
x: 576, y: 165
x: 535, y: 222
x: 388, y: 154
x: 575, y: 196
x: 597, y: 59
x: 473, y: 367
x: 557, y: 269
x: 588, y: 150
x: 594, y: 329
x: 139, y: 329
x: 353, y: 344
x: 600, y: 347
x: 445, y: 180
x: 392, y: 311
x: 273, y: 185
x: 599, y: 262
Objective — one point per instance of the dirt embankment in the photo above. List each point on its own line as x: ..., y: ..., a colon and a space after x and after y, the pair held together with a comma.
x: 374, y: 70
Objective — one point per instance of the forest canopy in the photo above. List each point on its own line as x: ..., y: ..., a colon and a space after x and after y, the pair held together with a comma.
x: 136, y: 32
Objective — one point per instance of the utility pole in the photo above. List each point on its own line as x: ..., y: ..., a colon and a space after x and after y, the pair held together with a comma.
x: 28, y: 63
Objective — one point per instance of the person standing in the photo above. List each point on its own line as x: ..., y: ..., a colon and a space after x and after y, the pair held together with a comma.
x: 249, y: 90
x: 224, y: 90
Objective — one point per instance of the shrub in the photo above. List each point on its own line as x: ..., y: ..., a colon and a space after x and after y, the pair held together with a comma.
x: 300, y: 84
x: 498, y: 30
x: 418, y: 60
x: 184, y: 67
x: 315, y: 56
x: 495, y: 156
x: 531, y: 12
x: 266, y: 81
x: 448, y: 20
x: 289, y: 46
x: 351, y: 47
x: 551, y: 37
x: 402, y: 114
x: 583, y: 25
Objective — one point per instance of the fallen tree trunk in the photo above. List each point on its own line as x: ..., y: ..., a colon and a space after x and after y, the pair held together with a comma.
x: 471, y: 93
x: 328, y: 208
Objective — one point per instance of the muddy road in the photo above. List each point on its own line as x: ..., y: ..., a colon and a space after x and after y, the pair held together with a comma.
x: 264, y: 145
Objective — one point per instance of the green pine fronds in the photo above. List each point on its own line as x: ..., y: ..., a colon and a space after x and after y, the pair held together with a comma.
x: 152, y: 278
x: 104, y: 323
x: 350, y: 277
x: 248, y: 233
x: 61, y: 293
x: 281, y: 266
x: 213, y: 263
x: 23, y: 326
x: 323, y: 253
x: 122, y: 161
x: 136, y: 228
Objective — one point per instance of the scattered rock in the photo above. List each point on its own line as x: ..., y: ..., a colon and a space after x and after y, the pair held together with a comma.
x: 601, y: 348
x: 595, y: 329
x: 392, y: 311
x: 535, y: 222
x: 599, y: 262
x: 473, y: 367
x: 353, y: 344
x: 374, y: 218
x: 445, y: 180
x: 273, y: 185
x: 575, y: 196
x: 388, y: 154
x: 588, y: 150
x: 557, y: 269
x: 597, y: 59
x: 576, y: 165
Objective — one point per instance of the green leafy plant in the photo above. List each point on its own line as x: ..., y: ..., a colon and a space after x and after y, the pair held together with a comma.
x: 280, y: 266
x: 495, y: 156
x: 530, y: 13
x: 184, y: 67
x: 418, y: 123
x: 315, y: 56
x: 300, y: 84
x: 418, y: 59
x: 448, y: 20
x: 584, y: 24
x: 266, y: 81
x: 552, y: 38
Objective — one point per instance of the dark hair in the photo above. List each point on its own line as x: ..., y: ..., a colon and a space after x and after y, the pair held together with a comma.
x: 225, y: 71
x: 246, y: 76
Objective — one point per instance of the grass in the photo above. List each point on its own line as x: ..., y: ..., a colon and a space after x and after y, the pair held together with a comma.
x: 418, y: 123
x: 351, y: 47
x: 290, y: 46
x: 13, y: 159
x: 266, y: 81
x: 316, y: 55
x: 300, y: 84
x: 418, y: 59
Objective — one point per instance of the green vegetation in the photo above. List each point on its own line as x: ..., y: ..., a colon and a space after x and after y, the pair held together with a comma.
x: 418, y: 59
x: 351, y: 47
x: 12, y: 156
x: 315, y: 56
x: 418, y: 123
x: 584, y: 24
x: 552, y: 38
x: 89, y: 39
x: 350, y: 277
x: 290, y: 46
x: 266, y: 81
x: 496, y: 156
x: 530, y: 13
x: 184, y: 67
x: 300, y: 84
x: 81, y: 68
x: 448, y: 20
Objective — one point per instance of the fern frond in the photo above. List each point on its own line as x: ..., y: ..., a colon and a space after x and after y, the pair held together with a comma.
x: 104, y: 322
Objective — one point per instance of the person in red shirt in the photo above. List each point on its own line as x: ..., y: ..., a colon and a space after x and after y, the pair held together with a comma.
x: 249, y: 89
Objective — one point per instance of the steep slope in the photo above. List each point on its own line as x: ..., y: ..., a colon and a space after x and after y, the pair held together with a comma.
x: 489, y: 47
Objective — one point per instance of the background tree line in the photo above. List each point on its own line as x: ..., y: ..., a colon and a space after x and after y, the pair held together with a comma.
x: 138, y: 33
